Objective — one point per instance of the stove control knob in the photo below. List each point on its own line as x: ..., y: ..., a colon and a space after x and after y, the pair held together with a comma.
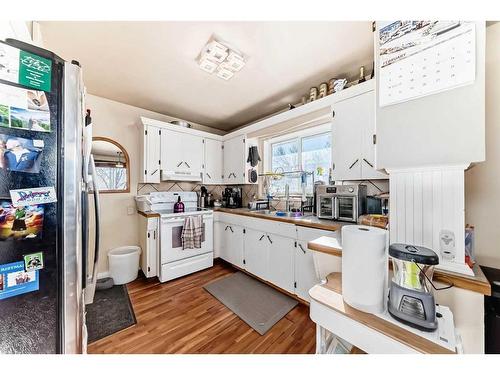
x: 351, y: 190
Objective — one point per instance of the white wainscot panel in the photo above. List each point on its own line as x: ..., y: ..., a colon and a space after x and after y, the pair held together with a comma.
x: 427, y: 209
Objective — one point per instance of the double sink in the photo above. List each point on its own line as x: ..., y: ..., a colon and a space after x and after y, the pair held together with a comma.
x: 280, y: 213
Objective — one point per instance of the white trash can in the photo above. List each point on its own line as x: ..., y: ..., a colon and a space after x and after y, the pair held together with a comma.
x: 124, y: 264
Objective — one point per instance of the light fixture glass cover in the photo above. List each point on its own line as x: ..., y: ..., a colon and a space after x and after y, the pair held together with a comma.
x: 208, y: 66
x: 224, y: 73
x: 235, y: 61
x: 215, y: 51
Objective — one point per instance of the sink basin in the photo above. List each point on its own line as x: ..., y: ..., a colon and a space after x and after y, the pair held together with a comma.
x: 287, y: 214
x: 265, y: 212
x: 279, y: 213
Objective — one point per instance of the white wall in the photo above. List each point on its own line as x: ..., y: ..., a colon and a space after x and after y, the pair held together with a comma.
x: 120, y: 122
x: 482, y: 182
x: 20, y: 30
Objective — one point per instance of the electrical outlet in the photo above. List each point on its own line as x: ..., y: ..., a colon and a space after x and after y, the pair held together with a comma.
x: 447, y: 244
x: 130, y: 210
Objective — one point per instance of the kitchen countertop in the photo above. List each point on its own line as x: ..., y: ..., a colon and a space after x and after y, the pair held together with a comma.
x: 148, y: 214
x: 305, y: 221
x: 330, y: 295
x: 477, y: 283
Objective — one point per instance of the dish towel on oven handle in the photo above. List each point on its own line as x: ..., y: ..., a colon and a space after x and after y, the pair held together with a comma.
x: 192, y: 232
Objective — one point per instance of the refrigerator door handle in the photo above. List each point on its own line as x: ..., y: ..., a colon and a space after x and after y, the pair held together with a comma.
x: 97, y: 209
x: 85, y: 234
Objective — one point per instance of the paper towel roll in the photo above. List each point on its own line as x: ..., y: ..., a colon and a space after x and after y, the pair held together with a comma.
x: 364, y: 267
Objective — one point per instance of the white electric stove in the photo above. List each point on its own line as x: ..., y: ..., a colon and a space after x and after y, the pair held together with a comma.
x: 173, y: 261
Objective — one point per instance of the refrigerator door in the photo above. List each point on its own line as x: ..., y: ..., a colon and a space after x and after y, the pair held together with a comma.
x: 31, y: 302
x: 41, y: 106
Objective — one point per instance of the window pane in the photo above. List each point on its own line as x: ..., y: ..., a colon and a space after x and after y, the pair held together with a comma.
x: 109, y: 178
x: 285, y: 158
x: 317, y: 156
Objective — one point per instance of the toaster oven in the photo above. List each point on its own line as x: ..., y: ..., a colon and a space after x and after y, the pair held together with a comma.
x: 340, y: 202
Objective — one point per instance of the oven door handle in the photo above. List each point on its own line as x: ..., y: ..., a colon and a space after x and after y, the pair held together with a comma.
x: 172, y: 221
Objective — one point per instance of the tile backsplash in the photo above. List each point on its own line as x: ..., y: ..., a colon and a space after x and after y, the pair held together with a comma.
x: 249, y: 191
x: 216, y: 190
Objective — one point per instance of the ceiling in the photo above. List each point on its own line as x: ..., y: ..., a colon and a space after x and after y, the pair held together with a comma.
x: 152, y: 64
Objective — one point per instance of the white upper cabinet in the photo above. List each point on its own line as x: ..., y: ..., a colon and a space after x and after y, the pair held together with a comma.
x: 234, y: 160
x: 150, y: 145
x: 181, y: 156
x: 353, y: 139
x: 213, y: 170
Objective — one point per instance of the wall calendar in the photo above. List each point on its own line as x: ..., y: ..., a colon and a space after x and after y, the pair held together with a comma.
x: 419, y: 58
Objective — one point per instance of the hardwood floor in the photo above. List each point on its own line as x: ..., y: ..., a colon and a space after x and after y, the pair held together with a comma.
x: 181, y: 317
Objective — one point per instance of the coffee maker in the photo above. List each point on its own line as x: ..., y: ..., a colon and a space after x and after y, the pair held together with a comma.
x: 232, y: 197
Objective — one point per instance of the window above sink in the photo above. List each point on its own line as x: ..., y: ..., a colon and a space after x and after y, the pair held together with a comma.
x: 306, y: 150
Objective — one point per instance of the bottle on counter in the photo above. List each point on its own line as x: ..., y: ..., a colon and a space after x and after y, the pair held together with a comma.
x: 178, y: 206
x: 362, y: 75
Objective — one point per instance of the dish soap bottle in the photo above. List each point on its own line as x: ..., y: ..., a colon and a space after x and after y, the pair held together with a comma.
x: 179, y: 206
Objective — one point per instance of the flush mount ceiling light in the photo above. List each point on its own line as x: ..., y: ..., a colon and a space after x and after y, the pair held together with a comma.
x: 217, y: 57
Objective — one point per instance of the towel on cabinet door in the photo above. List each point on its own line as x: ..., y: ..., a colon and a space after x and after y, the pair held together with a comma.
x: 253, y: 156
x: 192, y: 232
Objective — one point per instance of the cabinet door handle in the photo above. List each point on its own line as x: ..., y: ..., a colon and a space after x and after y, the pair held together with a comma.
x: 333, y: 166
x: 178, y: 165
x: 156, y: 170
x: 187, y: 165
x: 269, y: 238
x: 353, y: 164
x: 208, y: 175
x: 227, y: 226
x: 260, y: 239
x: 301, y: 248
x: 367, y: 162
x: 154, y: 235
x: 230, y: 227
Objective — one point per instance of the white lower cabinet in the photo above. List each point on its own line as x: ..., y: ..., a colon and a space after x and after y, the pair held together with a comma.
x: 281, y: 259
x: 256, y: 252
x: 218, y: 241
x: 232, y: 248
x: 305, y: 272
x: 281, y: 270
x: 149, y: 242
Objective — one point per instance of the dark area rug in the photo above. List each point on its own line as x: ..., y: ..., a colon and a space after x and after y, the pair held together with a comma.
x: 111, y: 312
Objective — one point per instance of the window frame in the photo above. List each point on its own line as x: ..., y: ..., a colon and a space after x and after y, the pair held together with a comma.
x: 299, y: 135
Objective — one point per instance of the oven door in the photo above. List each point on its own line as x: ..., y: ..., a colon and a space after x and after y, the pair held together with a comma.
x: 171, y: 239
x: 346, y: 208
x: 326, y: 207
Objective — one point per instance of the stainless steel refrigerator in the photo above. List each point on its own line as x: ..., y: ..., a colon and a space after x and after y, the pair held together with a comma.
x: 44, y: 150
